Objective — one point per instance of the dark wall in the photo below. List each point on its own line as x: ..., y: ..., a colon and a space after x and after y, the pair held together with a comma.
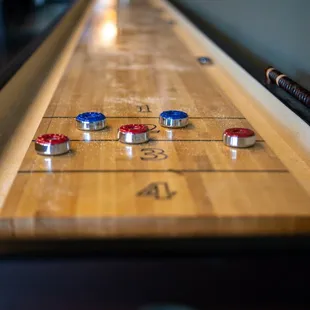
x: 24, y: 24
x: 275, y: 32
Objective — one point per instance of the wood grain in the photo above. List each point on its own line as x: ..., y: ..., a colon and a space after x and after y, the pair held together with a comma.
x: 155, y: 155
x: 24, y: 99
x: 115, y: 194
x: 131, y: 65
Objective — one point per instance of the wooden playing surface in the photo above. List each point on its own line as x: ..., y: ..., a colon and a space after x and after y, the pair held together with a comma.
x: 130, y: 65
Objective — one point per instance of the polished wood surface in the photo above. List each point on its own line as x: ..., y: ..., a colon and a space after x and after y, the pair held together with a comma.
x: 25, y: 98
x: 131, y: 65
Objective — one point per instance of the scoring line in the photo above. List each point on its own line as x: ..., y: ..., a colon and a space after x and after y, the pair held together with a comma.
x: 155, y: 117
x: 155, y: 140
x: 178, y: 171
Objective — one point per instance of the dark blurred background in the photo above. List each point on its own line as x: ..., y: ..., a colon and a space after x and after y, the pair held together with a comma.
x: 258, y: 34
x: 265, y: 32
x: 23, y: 26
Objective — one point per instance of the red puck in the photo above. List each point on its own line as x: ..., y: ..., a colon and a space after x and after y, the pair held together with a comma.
x: 239, y: 137
x: 52, y: 139
x: 52, y: 144
x: 133, y: 133
x: 239, y: 132
x: 134, y: 128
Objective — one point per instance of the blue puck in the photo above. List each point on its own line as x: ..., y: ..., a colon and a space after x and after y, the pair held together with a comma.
x: 90, y: 121
x: 173, y: 119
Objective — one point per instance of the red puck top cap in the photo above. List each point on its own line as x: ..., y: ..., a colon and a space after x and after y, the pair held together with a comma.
x: 52, y: 139
x: 134, y: 128
x: 239, y: 132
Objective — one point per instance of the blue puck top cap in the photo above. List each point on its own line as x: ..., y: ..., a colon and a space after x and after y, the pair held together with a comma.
x: 90, y: 117
x: 174, y: 114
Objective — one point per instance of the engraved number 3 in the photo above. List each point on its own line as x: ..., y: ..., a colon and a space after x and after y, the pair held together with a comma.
x: 153, y: 154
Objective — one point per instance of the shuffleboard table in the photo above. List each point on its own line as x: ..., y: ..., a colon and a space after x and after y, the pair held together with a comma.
x: 132, y: 60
